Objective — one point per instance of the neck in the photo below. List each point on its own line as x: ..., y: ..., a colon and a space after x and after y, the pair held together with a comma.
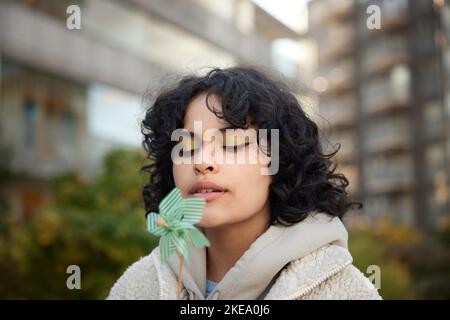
x: 228, y: 243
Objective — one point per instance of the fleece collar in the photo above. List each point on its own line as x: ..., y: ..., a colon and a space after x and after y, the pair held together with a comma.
x: 268, y: 254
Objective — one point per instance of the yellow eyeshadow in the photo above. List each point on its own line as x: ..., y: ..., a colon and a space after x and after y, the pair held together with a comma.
x: 235, y: 140
x: 188, y: 143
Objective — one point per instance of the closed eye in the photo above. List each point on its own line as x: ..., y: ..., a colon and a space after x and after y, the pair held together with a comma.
x: 188, y: 152
x: 235, y: 148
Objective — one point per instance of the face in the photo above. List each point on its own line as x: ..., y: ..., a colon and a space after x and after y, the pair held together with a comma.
x: 246, y: 189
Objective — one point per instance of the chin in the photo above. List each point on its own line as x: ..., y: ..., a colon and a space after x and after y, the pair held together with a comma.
x: 205, y: 223
x: 208, y: 222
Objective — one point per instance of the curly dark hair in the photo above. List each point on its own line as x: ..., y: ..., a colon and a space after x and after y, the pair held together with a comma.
x: 306, y: 180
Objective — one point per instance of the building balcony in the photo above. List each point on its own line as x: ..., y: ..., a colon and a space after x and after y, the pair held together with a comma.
x: 399, y: 208
x: 39, y: 42
x: 390, y: 185
x: 387, y: 92
x: 430, y: 83
x: 339, y: 111
x: 434, y: 120
x: 389, y: 174
x: 390, y: 143
x: 394, y: 14
x: 435, y: 159
x: 330, y: 11
x: 389, y: 135
x: 340, y: 77
x: 385, y: 54
x: 387, y: 101
x: 336, y: 43
x: 337, y: 51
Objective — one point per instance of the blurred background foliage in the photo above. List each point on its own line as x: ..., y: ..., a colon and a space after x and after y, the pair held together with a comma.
x: 413, y: 264
x: 98, y: 224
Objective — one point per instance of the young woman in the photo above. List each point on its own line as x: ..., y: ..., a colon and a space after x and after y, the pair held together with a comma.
x: 274, y: 234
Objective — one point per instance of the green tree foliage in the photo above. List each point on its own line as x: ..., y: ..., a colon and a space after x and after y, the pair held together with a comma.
x: 97, y: 224
x: 431, y: 265
x: 413, y: 264
x: 395, y: 277
x: 6, y: 176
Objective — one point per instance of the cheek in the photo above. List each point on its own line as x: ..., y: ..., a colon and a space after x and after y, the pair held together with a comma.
x: 251, y: 188
x: 182, y: 177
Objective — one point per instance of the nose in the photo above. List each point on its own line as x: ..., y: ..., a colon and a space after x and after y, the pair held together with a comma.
x: 206, y: 162
x: 203, y: 168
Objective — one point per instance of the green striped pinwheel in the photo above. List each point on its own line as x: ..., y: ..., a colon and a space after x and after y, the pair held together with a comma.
x: 175, y: 224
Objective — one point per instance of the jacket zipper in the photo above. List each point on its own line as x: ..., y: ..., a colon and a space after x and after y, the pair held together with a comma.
x: 318, y: 282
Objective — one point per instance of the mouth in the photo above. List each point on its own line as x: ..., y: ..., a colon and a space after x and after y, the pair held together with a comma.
x: 207, y: 190
x: 209, y: 196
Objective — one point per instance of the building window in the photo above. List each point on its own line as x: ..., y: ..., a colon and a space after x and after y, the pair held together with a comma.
x: 31, y: 115
x: 430, y: 83
x: 68, y: 129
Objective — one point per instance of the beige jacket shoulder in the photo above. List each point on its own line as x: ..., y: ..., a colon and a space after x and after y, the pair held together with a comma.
x: 326, y: 273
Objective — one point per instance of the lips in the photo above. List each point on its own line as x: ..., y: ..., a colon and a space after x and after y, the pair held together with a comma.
x: 207, y: 190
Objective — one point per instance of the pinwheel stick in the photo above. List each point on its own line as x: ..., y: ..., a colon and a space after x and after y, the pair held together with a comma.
x: 180, y: 275
x: 160, y: 222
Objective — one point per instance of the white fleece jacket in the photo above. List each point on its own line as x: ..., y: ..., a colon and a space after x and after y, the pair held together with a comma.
x: 308, y: 260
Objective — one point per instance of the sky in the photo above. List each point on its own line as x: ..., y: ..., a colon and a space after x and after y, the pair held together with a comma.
x: 287, y: 11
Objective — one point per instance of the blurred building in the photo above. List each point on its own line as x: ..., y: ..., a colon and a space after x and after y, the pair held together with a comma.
x: 50, y: 75
x: 385, y: 95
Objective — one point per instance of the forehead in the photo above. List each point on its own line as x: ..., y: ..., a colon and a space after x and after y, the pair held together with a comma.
x: 197, y: 110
